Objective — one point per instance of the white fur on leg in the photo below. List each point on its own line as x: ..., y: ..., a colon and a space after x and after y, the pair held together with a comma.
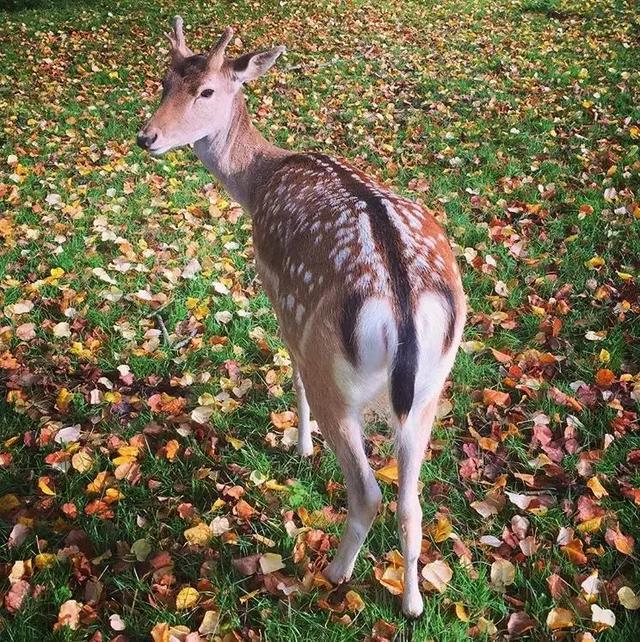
x: 305, y: 443
x: 412, y: 437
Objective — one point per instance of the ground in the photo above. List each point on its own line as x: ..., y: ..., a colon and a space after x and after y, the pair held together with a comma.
x: 147, y: 474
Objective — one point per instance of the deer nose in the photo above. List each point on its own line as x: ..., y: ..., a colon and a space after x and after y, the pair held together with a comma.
x: 146, y: 138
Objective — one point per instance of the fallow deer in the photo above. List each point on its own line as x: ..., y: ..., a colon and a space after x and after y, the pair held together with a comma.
x: 363, y: 282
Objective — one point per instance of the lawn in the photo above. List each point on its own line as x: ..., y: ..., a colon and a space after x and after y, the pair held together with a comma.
x: 149, y: 485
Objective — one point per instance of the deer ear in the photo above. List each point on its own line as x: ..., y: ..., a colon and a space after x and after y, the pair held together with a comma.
x: 255, y: 64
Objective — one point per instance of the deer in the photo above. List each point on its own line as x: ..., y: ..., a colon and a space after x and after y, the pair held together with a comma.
x: 363, y: 282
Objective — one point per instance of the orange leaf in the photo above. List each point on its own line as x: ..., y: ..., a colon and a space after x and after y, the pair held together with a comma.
x: 495, y: 398
x: 244, y: 510
x: 283, y: 420
x: 574, y: 551
x: 596, y: 487
x: 99, y: 509
x: 171, y: 449
x: 604, y: 378
x: 624, y: 543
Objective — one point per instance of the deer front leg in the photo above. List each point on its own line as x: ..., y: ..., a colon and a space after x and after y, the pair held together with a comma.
x: 305, y: 444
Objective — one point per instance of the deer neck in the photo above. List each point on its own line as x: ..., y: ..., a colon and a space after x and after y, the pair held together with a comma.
x: 240, y: 157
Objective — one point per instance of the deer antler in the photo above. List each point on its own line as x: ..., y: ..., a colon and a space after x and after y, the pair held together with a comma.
x: 176, y: 38
x: 216, y: 55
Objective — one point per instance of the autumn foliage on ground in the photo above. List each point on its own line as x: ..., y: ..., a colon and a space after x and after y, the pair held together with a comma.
x: 149, y: 486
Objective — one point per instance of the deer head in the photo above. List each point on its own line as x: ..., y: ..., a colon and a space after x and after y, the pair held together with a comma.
x: 199, y: 92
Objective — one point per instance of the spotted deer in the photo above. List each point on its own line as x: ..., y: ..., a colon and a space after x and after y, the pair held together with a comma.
x: 363, y: 282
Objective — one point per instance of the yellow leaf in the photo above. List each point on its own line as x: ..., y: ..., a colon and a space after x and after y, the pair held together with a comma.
x: 604, y: 356
x: 171, y: 449
x: 236, y: 443
x: 187, y: 598
x: 99, y: 483
x: 43, y: 485
x: 393, y: 579
x: 82, y: 461
x: 354, y: 601
x: 63, y: 400
x: 129, y: 451
x: 461, y: 612
x: 590, y: 525
x: 442, y: 530
x: 45, y: 560
x: 388, y: 473
x: 272, y: 484
x: 200, y: 534
x: 595, y: 262
x: 123, y: 460
x: 112, y: 495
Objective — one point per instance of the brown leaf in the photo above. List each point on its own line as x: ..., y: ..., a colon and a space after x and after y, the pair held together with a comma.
x: 520, y: 623
x: 247, y: 565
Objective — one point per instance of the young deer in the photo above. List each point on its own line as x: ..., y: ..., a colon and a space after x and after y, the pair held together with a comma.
x: 363, y: 282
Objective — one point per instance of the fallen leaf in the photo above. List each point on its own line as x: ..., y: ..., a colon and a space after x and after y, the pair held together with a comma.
x: 559, y: 618
x: 270, y: 562
x: 503, y: 573
x: 438, y: 574
x: 604, y: 618
x: 628, y: 598
x: 187, y: 598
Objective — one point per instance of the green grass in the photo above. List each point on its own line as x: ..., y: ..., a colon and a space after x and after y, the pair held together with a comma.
x: 503, y: 117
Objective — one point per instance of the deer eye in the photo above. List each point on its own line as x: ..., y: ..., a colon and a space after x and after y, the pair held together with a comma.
x: 205, y: 93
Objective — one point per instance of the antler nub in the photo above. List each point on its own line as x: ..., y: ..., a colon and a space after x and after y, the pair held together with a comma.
x: 176, y: 38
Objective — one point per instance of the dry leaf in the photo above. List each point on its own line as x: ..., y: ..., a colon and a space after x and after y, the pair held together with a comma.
x: 503, y: 573
x: 200, y: 534
x: 187, y: 598
x: 438, y: 574
x: 559, y: 618
x: 270, y: 562
x: 628, y: 598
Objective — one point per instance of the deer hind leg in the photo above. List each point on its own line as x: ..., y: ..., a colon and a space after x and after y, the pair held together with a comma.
x: 363, y: 494
x: 412, y: 437
x: 305, y: 444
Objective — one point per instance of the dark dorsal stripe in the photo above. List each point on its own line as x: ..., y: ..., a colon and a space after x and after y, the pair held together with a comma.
x: 388, y: 243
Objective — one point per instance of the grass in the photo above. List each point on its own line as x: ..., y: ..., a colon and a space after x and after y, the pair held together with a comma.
x: 511, y: 119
